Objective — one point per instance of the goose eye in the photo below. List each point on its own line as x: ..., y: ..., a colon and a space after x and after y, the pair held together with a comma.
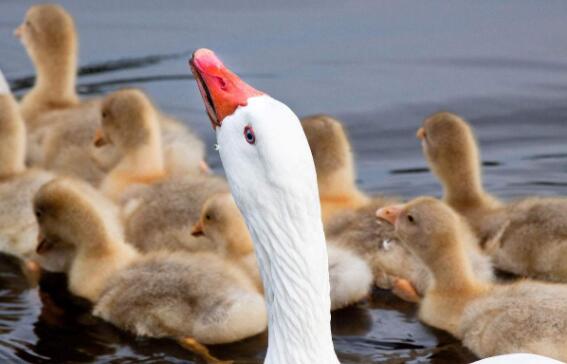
x: 104, y: 114
x: 411, y: 219
x: 208, y: 217
x: 249, y: 135
x: 38, y: 213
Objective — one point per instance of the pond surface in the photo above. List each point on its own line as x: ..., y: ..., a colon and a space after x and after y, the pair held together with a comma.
x: 381, y: 66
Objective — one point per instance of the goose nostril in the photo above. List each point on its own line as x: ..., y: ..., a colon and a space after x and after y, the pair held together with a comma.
x: 222, y: 83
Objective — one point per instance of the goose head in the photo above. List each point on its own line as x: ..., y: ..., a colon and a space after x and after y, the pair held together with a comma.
x: 270, y: 170
x: 261, y: 142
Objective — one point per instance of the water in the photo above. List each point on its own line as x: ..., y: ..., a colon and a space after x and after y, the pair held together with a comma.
x: 380, y: 66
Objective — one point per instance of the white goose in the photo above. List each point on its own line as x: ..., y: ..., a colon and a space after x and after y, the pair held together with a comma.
x: 272, y: 177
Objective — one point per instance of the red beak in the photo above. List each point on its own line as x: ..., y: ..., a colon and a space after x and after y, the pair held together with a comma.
x: 222, y: 90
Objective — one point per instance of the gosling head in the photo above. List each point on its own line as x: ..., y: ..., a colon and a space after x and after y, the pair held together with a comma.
x: 329, y: 145
x: 47, y: 29
x: 128, y: 120
x: 222, y: 223
x: 72, y: 217
x: 331, y: 150
x: 425, y: 225
x: 448, y: 144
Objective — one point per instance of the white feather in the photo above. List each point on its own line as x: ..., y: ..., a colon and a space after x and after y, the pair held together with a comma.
x: 274, y: 185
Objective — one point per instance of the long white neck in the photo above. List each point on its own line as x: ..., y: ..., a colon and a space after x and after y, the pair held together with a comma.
x: 294, y: 267
x: 282, y: 211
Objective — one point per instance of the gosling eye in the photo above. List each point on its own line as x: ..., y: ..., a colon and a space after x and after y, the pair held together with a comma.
x: 207, y: 216
x: 38, y: 213
x: 410, y: 219
x: 249, y: 135
x: 104, y: 114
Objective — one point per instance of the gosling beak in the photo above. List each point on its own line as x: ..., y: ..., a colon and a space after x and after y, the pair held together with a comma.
x: 99, y: 139
x: 420, y: 134
x: 19, y: 31
x: 390, y: 213
x: 42, y: 244
x: 198, y: 229
x: 32, y: 271
x: 222, y: 90
x: 204, y: 168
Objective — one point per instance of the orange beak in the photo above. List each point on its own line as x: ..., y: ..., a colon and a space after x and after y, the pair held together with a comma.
x: 420, y: 134
x: 198, y: 229
x: 19, y: 31
x: 99, y: 139
x: 222, y: 90
x: 42, y: 244
x: 390, y: 213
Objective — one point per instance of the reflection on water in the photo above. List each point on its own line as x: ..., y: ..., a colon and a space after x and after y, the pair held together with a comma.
x: 381, y: 67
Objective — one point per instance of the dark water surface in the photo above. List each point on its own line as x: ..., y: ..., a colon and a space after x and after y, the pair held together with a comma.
x: 381, y: 66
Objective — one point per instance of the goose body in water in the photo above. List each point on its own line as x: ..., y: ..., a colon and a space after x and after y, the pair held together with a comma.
x: 272, y: 177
